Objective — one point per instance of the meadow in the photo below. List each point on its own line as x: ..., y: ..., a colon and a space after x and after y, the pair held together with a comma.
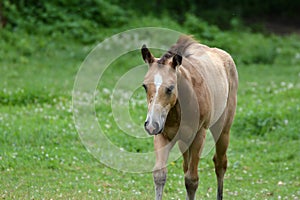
x: 42, y: 156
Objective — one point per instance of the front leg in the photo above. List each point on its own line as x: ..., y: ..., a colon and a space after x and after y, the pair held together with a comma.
x: 162, y: 148
x: 191, y: 173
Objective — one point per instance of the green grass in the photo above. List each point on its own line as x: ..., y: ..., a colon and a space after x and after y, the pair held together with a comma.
x: 42, y: 157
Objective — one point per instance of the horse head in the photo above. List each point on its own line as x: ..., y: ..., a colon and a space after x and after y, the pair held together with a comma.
x: 160, y: 84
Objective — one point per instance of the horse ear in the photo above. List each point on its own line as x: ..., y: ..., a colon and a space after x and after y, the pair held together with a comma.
x: 147, y: 56
x: 177, y: 59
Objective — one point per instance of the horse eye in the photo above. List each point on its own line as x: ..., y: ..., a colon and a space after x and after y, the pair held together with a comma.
x: 145, y: 87
x: 169, y: 89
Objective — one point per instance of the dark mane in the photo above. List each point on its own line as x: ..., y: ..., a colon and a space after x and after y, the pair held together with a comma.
x: 179, y: 48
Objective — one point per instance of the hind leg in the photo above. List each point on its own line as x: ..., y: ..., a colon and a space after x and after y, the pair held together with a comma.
x: 190, y: 164
x: 220, y: 132
x: 221, y: 128
x: 220, y: 161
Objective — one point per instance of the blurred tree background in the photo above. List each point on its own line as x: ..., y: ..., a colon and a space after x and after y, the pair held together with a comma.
x: 224, y: 24
x: 65, y: 14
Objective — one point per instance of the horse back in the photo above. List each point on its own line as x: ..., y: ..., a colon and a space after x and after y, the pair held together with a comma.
x: 215, y: 78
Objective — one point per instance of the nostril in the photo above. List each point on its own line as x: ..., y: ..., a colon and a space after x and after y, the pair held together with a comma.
x: 146, y: 123
x: 156, y: 126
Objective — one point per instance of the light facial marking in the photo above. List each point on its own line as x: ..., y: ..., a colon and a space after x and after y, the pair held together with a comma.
x: 157, y: 82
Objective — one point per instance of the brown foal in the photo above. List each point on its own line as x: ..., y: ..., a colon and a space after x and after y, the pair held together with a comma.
x: 190, y: 89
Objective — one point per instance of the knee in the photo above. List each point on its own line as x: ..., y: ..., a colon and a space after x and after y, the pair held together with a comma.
x: 160, y: 176
x: 191, y: 182
x: 220, y: 163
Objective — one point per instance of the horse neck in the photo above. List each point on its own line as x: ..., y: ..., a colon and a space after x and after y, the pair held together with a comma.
x: 187, y: 97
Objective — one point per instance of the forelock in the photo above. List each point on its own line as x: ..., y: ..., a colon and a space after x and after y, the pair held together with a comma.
x: 165, y: 57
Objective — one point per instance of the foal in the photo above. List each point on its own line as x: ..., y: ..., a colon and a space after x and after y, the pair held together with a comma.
x: 190, y: 89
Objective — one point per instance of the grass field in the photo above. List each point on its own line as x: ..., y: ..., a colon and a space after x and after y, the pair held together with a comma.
x: 42, y: 157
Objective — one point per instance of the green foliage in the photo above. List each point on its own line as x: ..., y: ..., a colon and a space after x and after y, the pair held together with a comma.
x: 258, y: 123
x: 248, y: 48
x: 220, y: 13
x: 273, y: 104
x: 201, y: 28
x: 86, y: 22
x: 245, y: 47
x: 77, y: 19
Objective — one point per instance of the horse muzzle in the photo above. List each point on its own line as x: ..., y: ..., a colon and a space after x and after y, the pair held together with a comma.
x: 156, y: 118
x: 155, y: 123
x: 153, y: 128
